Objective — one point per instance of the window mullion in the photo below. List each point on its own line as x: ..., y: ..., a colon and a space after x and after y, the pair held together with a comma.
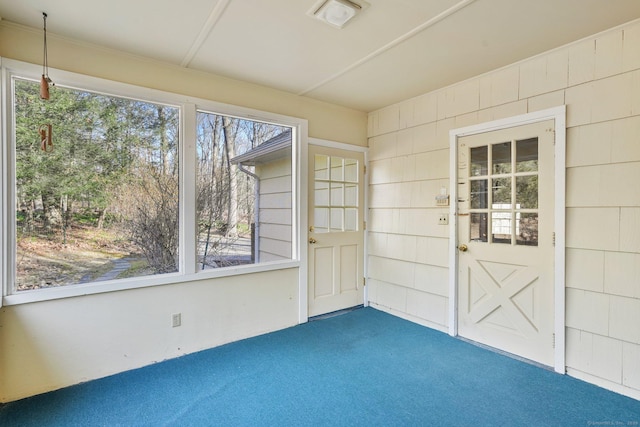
x: 514, y: 209
x: 6, y: 177
x: 188, y: 226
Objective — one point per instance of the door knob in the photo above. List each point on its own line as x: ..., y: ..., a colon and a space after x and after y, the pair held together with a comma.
x: 463, y: 248
x: 312, y: 240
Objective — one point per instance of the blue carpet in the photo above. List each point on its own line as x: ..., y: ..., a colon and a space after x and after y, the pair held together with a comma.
x: 361, y: 368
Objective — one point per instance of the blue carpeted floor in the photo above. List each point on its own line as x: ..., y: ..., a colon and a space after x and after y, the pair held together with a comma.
x: 361, y: 368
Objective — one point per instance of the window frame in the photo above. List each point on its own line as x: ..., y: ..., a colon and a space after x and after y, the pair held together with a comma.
x: 188, y: 107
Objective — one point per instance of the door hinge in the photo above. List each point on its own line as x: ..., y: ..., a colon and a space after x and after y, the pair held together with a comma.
x: 364, y: 168
x: 553, y: 131
x: 553, y: 340
x: 553, y: 238
x: 364, y: 281
x: 364, y: 225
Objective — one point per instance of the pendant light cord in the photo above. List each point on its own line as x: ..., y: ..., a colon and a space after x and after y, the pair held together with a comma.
x: 45, y: 59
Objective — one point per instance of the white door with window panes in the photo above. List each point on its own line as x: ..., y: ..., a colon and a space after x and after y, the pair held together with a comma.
x: 506, y: 238
x: 336, y: 229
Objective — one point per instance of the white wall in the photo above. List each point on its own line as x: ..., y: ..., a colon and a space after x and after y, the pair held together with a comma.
x: 275, y: 210
x: 48, y: 345
x: 599, y: 80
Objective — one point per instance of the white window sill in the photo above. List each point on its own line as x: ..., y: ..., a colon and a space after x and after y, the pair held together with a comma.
x: 71, y: 291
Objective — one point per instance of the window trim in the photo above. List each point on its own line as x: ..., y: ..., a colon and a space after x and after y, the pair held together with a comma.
x: 188, y: 107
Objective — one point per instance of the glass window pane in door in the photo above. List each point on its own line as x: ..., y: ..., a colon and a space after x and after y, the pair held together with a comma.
x: 321, y: 197
x: 501, y: 227
x: 478, y: 231
x: 337, y: 219
x: 350, y: 170
x: 501, y: 193
x: 527, y: 229
x: 527, y: 192
x: 351, y: 195
x: 479, y: 195
x: 337, y: 169
x: 479, y: 161
x: 337, y: 194
x: 501, y: 158
x: 321, y: 220
x: 321, y: 166
x: 527, y: 155
x: 351, y: 219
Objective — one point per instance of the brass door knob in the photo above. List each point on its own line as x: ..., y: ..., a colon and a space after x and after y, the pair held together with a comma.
x: 463, y: 248
x: 312, y: 240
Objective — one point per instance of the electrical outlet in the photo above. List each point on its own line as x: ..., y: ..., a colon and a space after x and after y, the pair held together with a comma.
x: 443, y: 219
x: 176, y: 320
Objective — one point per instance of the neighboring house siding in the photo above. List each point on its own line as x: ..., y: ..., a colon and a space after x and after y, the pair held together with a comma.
x: 599, y: 81
x: 275, y: 210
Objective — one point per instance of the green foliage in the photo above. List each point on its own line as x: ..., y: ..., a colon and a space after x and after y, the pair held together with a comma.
x: 97, y: 140
x: 99, y: 144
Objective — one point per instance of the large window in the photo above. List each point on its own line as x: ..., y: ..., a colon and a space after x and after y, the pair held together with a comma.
x: 107, y: 188
x: 241, y: 164
x: 96, y: 187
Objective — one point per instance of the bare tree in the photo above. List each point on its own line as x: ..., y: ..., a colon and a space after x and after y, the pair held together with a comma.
x: 230, y: 131
x: 150, y: 205
x: 209, y: 205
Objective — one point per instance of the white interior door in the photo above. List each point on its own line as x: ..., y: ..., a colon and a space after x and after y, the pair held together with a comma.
x: 506, y: 238
x: 336, y: 232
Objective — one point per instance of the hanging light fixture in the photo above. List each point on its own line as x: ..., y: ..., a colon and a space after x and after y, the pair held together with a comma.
x: 45, y: 81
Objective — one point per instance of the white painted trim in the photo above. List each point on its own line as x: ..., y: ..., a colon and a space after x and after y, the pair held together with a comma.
x: 189, y: 232
x: 338, y: 145
x: 70, y: 291
x: 558, y: 114
x: 4, y: 138
x: 300, y: 155
x: 604, y: 383
x: 560, y: 222
x: 7, y: 176
x: 365, y: 265
x: 406, y: 316
x: 453, y: 233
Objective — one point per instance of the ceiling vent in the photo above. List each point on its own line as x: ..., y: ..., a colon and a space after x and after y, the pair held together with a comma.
x: 336, y: 12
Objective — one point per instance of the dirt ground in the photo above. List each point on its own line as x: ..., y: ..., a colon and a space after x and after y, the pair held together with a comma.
x: 46, y: 261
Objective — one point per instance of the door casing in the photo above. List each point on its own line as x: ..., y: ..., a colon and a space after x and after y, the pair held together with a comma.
x: 558, y: 114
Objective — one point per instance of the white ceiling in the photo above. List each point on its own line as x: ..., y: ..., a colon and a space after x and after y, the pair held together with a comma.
x: 393, y: 50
